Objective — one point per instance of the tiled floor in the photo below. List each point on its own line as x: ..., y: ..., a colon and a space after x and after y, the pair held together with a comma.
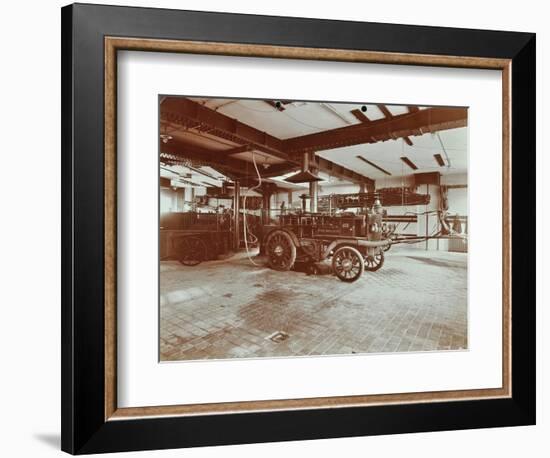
x: 228, y: 309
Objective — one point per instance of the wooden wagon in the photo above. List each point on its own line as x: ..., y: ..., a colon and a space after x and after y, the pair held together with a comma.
x: 193, y: 237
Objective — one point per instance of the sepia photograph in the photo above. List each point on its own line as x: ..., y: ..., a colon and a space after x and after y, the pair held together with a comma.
x: 293, y: 228
x: 271, y: 221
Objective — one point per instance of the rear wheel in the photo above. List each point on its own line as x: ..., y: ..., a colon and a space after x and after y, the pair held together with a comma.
x: 280, y: 250
x: 374, y: 262
x: 347, y: 264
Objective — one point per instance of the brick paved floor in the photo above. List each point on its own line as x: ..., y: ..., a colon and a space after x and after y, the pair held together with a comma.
x: 228, y: 309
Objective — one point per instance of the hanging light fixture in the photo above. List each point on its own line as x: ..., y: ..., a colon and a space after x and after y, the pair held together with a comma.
x: 305, y: 175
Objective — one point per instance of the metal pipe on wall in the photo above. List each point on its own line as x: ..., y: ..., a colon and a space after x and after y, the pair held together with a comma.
x: 236, y: 211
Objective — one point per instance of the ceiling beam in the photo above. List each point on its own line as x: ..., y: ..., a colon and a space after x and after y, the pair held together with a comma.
x: 410, y: 163
x: 439, y: 159
x: 384, y: 109
x: 387, y: 114
x: 236, y: 150
x: 182, y: 151
x: 372, y: 164
x: 360, y: 116
x: 324, y: 165
x: 418, y: 123
x: 338, y: 171
x: 239, y: 169
x: 181, y: 110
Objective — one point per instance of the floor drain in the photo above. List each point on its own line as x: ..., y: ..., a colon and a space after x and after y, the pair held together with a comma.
x: 278, y: 336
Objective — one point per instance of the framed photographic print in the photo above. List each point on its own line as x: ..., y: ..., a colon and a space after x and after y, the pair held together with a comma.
x: 283, y: 228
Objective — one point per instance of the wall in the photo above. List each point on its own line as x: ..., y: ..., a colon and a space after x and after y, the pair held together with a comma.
x: 30, y: 293
x: 173, y: 200
x: 458, y: 200
x: 326, y: 189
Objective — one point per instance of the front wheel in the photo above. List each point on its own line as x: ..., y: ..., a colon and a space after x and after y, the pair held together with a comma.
x: 348, y: 264
x: 374, y: 262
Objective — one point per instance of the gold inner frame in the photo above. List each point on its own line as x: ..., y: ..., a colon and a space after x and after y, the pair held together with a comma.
x: 114, y: 44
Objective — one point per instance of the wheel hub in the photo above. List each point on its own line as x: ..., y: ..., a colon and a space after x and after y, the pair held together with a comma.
x: 346, y: 264
x: 278, y: 250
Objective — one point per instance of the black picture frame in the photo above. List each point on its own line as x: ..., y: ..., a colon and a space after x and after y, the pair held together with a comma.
x: 84, y: 428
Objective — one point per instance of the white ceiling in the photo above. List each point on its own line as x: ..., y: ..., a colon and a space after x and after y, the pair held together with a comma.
x: 297, y: 118
x: 387, y: 155
x: 302, y: 118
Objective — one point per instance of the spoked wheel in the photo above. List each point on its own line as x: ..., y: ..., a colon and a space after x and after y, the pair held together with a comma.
x: 280, y: 250
x: 191, y: 251
x: 348, y: 264
x: 374, y: 262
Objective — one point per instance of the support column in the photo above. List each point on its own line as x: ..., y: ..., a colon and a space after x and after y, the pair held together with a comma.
x: 362, y: 187
x: 313, y: 191
x: 180, y: 200
x: 289, y: 198
x: 267, y: 207
x: 236, y: 214
x: 193, y: 204
x: 313, y: 186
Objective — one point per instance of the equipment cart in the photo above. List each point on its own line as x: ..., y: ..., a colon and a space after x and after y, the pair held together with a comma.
x: 193, y: 237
